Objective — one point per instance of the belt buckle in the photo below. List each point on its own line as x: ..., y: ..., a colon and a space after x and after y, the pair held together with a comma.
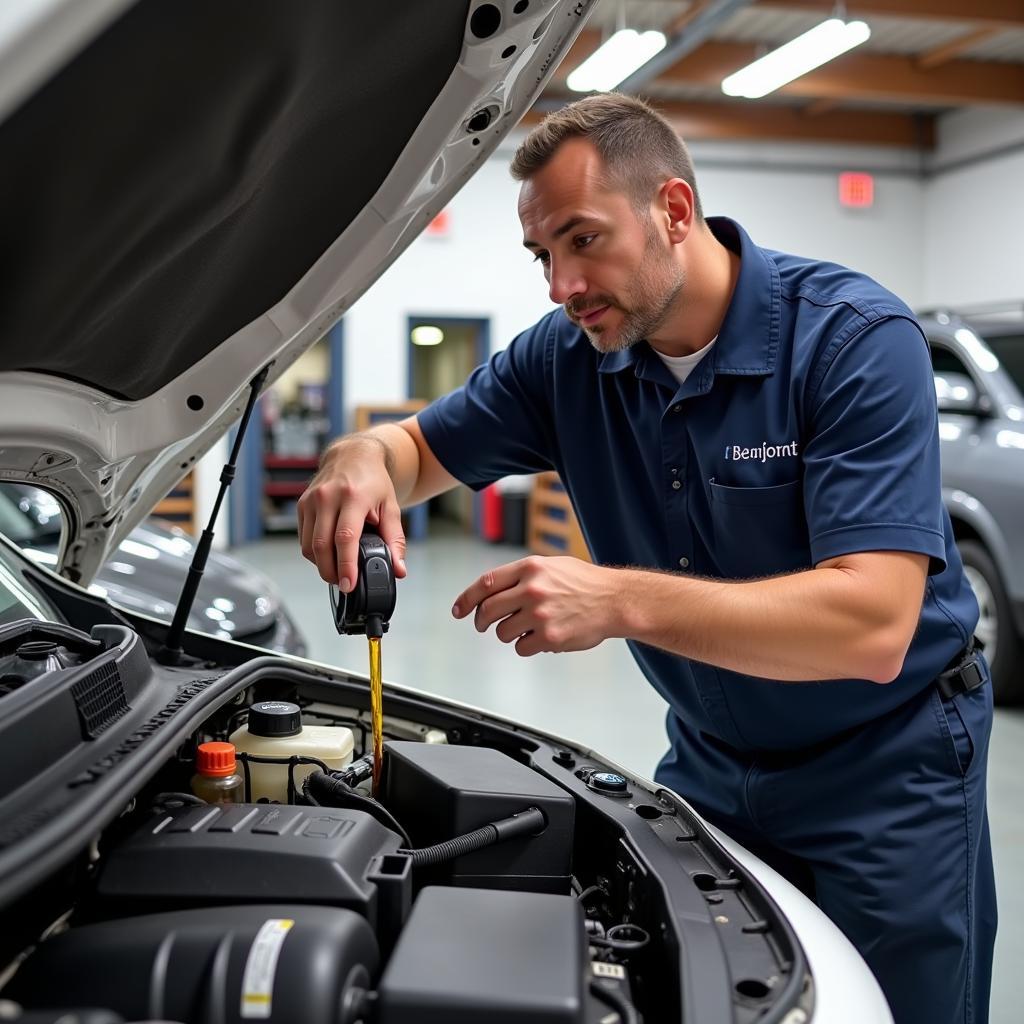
x: 971, y: 676
x: 964, y: 678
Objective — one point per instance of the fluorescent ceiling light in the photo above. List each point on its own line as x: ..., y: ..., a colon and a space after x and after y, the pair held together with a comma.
x: 821, y: 44
x: 427, y: 334
x: 615, y: 60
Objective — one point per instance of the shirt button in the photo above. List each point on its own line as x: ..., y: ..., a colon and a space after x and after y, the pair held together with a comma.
x: 684, y: 562
x: 676, y: 484
x: 678, y: 407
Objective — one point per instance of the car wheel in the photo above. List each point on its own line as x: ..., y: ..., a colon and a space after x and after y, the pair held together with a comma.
x: 996, y: 628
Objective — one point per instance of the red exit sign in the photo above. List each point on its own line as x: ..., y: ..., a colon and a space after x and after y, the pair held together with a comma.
x: 856, y: 189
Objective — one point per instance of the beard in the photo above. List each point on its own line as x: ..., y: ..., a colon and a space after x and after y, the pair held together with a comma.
x: 651, y: 294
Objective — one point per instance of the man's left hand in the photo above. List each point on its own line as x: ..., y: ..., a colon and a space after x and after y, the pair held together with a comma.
x: 544, y: 604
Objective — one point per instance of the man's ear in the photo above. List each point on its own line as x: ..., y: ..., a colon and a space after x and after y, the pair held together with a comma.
x: 676, y: 200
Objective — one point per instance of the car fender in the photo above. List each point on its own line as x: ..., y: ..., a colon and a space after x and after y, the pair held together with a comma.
x: 845, y: 990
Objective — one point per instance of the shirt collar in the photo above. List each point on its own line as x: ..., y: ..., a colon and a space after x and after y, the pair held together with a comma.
x: 748, y: 340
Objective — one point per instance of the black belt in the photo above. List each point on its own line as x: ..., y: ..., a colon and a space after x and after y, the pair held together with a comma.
x: 964, y: 673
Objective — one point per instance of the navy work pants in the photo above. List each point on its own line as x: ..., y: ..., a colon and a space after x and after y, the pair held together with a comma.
x: 886, y: 829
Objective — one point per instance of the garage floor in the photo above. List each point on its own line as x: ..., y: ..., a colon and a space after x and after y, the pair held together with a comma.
x: 593, y: 696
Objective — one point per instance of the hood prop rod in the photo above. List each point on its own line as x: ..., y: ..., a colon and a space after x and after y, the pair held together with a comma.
x: 170, y: 653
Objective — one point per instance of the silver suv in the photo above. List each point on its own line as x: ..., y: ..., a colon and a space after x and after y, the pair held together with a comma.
x: 978, y: 361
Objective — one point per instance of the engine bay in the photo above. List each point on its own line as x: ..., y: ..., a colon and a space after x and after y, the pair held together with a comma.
x: 497, y: 871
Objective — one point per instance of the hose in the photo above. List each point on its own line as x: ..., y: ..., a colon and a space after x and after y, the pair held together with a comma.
x: 329, y: 791
x: 528, y: 822
x: 357, y: 771
x: 326, y: 790
x: 614, y: 999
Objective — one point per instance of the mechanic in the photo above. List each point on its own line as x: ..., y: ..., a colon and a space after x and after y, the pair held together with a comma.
x: 750, y: 442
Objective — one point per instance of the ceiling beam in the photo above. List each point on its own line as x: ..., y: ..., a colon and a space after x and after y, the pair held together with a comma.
x: 1002, y: 13
x: 947, y: 51
x: 818, y: 107
x: 680, y: 21
x: 790, y: 124
x: 866, y: 76
x: 705, y: 22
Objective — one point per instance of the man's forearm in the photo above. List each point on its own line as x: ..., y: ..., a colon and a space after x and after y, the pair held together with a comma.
x: 821, y: 624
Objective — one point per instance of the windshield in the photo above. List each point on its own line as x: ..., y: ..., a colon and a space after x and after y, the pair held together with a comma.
x: 19, y: 599
x: 30, y: 517
x: 1010, y: 350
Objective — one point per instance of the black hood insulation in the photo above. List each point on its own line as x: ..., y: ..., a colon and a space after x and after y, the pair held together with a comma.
x: 181, y: 174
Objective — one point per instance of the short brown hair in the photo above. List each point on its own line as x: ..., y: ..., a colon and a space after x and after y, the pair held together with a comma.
x: 638, y: 146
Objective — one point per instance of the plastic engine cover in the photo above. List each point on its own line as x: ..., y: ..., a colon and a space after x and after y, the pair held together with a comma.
x: 218, y: 965
x: 246, y: 853
x: 439, y: 791
x: 472, y: 955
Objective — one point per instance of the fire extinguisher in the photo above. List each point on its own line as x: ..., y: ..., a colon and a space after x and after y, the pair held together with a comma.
x: 491, y: 525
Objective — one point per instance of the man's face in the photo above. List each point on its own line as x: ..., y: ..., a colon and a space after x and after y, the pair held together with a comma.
x: 603, y: 260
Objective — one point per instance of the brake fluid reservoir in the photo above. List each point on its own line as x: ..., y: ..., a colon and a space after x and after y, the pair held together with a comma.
x: 275, y: 729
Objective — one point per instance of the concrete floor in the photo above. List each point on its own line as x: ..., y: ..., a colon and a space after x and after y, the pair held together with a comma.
x: 597, y: 697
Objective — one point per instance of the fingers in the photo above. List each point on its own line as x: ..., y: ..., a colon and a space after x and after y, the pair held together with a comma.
x: 503, y: 578
x: 307, y: 523
x: 391, y: 533
x: 345, y: 543
x: 513, y: 627
x: 496, y: 608
x: 317, y: 533
x: 530, y: 644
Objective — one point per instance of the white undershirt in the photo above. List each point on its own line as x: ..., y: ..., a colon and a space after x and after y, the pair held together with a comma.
x: 682, y: 366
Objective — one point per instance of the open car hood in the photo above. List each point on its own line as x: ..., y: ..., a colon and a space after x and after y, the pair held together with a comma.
x: 195, y: 191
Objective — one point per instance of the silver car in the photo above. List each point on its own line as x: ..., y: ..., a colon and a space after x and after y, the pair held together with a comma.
x: 979, y: 381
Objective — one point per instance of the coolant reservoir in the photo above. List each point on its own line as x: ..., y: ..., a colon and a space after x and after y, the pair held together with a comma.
x: 275, y: 729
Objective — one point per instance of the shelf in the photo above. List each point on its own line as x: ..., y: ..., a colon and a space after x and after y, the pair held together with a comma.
x: 552, y: 525
x: 285, y: 488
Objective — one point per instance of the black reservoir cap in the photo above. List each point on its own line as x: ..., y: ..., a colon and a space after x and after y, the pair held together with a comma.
x: 275, y: 718
x: 36, y: 650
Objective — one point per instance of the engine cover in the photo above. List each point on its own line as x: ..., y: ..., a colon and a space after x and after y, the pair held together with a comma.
x: 245, y: 853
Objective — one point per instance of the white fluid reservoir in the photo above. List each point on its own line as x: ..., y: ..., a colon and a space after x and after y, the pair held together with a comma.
x: 275, y: 729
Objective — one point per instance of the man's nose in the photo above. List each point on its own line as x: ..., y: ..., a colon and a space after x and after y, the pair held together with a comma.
x: 565, y: 282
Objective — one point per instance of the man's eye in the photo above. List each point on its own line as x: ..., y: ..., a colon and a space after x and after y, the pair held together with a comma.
x: 541, y: 257
x: 582, y: 241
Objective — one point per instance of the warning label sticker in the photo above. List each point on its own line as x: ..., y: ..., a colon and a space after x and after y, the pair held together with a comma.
x: 260, y: 967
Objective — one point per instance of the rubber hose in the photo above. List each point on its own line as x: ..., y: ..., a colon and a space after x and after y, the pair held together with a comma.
x: 332, y: 792
x: 452, y: 848
x: 529, y: 822
x: 613, y: 998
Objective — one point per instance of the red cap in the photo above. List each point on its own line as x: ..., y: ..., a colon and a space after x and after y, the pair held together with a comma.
x: 215, y: 759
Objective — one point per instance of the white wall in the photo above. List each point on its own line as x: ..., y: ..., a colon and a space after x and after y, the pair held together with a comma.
x: 786, y: 197
x: 974, y: 210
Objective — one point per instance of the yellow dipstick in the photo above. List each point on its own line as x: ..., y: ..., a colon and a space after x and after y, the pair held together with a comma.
x: 376, y: 710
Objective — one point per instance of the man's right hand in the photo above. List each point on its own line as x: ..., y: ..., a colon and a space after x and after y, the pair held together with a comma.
x: 352, y: 488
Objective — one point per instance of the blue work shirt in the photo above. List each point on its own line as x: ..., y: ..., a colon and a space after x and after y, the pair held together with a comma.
x: 807, y: 432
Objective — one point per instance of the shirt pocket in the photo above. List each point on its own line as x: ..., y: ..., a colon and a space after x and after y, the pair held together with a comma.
x: 759, y: 531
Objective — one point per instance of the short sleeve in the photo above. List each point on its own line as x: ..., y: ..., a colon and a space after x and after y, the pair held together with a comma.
x: 499, y: 422
x: 871, y: 461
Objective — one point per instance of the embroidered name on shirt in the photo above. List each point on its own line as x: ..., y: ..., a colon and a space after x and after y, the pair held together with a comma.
x: 762, y: 453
